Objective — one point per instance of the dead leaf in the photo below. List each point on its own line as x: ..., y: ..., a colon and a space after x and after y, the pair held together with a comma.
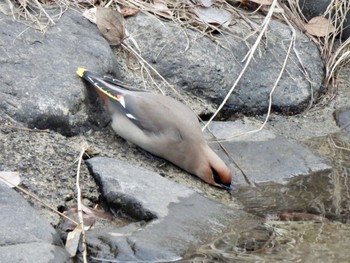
x: 90, y: 14
x: 111, y: 25
x: 72, y: 241
x: 162, y: 7
x: 319, y: 26
x: 262, y: 2
x: 212, y: 15
x: 67, y: 225
x: 12, y: 179
x: 97, y: 213
x: 128, y: 11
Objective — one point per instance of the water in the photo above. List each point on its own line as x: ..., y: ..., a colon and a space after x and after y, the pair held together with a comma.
x: 319, y: 203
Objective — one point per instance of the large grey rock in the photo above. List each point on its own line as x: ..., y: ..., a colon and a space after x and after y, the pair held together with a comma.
x: 177, y: 218
x: 24, y: 236
x: 38, y: 83
x: 204, y: 69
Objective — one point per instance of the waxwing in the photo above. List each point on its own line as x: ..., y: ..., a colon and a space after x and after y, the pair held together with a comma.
x: 162, y: 126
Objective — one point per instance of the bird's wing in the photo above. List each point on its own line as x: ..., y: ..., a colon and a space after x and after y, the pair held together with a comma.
x: 152, y: 113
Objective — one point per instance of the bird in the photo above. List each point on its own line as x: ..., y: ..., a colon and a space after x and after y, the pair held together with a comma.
x: 160, y: 125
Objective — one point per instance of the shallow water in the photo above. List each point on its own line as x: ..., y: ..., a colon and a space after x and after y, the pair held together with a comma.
x: 317, y: 205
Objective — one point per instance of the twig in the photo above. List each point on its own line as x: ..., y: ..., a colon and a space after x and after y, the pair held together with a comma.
x: 39, y: 200
x: 23, y: 128
x: 80, y: 209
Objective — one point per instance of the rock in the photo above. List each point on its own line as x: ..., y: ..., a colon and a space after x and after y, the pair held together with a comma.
x: 24, y: 236
x: 264, y: 156
x: 342, y: 118
x: 279, y: 174
x: 176, y: 217
x: 206, y: 70
x: 38, y: 83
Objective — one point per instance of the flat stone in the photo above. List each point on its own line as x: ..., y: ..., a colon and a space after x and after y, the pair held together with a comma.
x: 177, y: 217
x: 264, y: 156
x: 279, y: 174
x: 38, y: 83
x: 24, y: 235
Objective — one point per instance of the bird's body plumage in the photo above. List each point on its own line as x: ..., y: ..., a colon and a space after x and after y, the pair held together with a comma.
x: 161, y: 125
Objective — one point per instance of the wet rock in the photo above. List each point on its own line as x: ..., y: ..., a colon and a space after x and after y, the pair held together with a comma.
x: 342, y: 118
x: 279, y: 174
x: 264, y: 156
x: 204, y: 69
x: 24, y: 236
x: 38, y: 83
x: 175, y: 217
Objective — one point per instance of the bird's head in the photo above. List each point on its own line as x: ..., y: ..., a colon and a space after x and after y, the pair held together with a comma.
x: 213, y: 170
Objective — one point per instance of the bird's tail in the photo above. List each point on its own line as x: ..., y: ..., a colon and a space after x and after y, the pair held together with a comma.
x: 106, y: 91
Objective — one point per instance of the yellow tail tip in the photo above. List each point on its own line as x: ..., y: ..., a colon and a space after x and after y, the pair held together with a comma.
x: 80, y: 72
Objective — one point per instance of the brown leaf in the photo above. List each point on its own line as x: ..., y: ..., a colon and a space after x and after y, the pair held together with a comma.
x: 97, y: 213
x: 111, y: 25
x: 162, y: 7
x: 128, y: 11
x: 12, y: 179
x: 319, y: 26
x: 72, y: 213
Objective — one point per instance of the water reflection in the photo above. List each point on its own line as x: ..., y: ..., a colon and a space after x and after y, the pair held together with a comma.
x: 321, y: 201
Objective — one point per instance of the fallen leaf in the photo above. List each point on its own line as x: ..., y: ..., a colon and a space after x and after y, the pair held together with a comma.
x: 97, y: 213
x: 72, y: 241
x: 67, y: 225
x: 90, y: 14
x: 212, y: 15
x: 319, y: 26
x: 111, y: 25
x: 162, y: 7
x: 128, y: 11
x: 12, y: 179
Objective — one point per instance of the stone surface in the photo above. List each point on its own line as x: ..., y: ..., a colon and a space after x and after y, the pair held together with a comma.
x: 202, y: 68
x: 284, y: 175
x: 24, y: 236
x: 38, y: 83
x: 177, y: 218
x: 342, y: 118
x: 264, y: 156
